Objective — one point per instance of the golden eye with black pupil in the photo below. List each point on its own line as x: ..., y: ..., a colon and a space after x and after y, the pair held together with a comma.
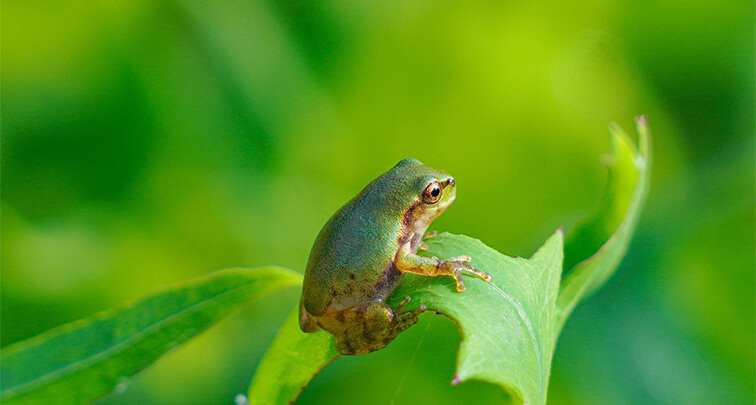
x: 432, y: 193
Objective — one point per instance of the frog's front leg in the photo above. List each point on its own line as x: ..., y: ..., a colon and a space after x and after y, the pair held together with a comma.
x: 376, y: 326
x: 407, y: 261
x: 428, y: 235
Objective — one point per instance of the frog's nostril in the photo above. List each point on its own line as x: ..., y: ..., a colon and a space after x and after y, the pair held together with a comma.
x: 450, y: 181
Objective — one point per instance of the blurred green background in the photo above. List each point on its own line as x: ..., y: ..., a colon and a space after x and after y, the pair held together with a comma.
x: 148, y: 142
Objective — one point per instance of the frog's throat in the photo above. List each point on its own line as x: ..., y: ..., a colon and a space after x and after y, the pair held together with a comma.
x: 417, y: 219
x: 417, y: 238
x: 414, y: 231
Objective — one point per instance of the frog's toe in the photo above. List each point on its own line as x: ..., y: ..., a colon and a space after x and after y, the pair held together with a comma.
x: 480, y: 274
x: 460, y: 259
x: 470, y: 270
x: 401, y: 305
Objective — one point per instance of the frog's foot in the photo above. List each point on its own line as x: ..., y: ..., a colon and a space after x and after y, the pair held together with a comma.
x: 365, y: 338
x: 422, y: 246
x: 455, y: 266
x: 369, y: 322
x: 404, y: 320
x: 399, y: 311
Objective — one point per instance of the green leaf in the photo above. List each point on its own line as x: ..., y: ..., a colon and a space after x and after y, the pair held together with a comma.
x: 507, y: 324
x: 84, y: 360
x: 510, y: 326
x: 290, y: 363
x: 597, y: 247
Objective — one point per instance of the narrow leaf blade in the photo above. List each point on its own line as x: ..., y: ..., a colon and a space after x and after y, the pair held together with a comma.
x: 84, y: 360
x: 612, y: 226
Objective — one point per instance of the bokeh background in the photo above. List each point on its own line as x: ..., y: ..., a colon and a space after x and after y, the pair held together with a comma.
x: 148, y: 142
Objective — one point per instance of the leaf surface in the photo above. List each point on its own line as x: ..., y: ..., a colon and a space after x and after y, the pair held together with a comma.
x: 507, y: 324
x: 290, y: 363
x: 82, y: 361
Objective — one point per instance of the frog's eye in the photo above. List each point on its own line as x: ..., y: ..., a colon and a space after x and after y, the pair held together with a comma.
x: 432, y: 193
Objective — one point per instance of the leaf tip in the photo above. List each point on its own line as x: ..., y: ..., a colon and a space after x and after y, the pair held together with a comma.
x: 615, y: 127
x: 644, y: 136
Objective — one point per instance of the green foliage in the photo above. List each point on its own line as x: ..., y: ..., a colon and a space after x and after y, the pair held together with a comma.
x: 510, y: 326
x: 81, y: 361
x: 291, y: 362
x: 145, y: 142
x: 614, y: 222
x: 506, y: 325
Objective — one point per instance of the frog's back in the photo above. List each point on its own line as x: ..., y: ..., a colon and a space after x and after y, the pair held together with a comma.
x: 351, y: 255
x: 351, y: 260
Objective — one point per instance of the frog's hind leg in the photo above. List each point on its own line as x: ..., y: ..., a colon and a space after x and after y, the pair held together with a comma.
x: 370, y: 322
x: 378, y: 327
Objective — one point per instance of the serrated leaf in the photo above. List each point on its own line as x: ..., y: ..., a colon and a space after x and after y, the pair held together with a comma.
x: 82, y: 361
x: 506, y: 325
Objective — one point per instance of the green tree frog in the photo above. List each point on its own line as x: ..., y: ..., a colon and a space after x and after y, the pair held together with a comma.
x: 362, y: 253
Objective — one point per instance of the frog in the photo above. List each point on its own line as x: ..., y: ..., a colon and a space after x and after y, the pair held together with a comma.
x: 363, y: 252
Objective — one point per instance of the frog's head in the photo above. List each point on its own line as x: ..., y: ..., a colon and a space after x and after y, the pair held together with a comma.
x: 429, y: 193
